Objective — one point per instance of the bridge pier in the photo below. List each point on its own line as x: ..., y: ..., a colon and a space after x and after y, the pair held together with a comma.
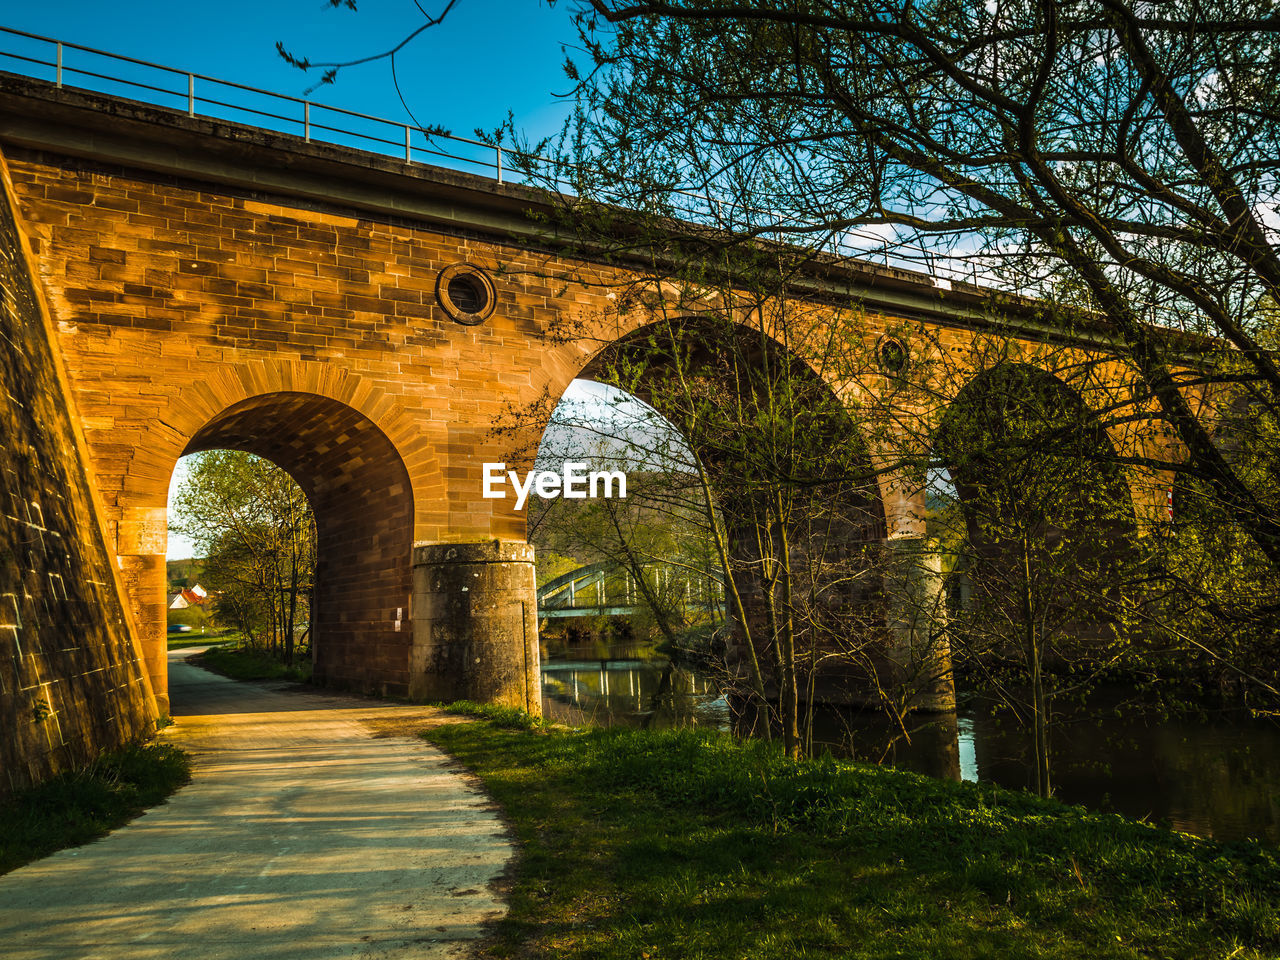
x: 919, y: 650
x: 143, y: 540
x: 475, y: 624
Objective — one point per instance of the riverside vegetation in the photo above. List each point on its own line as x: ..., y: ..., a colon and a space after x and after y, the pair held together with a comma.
x: 643, y: 844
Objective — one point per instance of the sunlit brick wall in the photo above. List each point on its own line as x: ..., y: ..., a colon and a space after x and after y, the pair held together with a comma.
x: 71, y: 680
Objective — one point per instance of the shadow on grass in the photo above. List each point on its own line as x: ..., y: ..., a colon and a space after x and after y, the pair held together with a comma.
x: 246, y: 663
x: 687, y: 844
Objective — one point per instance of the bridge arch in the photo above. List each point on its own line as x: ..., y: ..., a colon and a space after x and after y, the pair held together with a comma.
x: 727, y: 355
x: 362, y: 500
x: 1025, y: 394
x: 186, y: 409
x: 707, y: 338
x: 1104, y: 385
x: 712, y: 359
x: 1031, y: 461
x: 354, y: 455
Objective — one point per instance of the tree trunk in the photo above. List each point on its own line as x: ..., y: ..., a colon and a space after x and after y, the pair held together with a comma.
x: 1039, y: 718
x: 788, y: 688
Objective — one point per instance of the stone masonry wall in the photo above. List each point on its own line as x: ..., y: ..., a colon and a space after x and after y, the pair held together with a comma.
x: 71, y: 679
x: 193, y: 314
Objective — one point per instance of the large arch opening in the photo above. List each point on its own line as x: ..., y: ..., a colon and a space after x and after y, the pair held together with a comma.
x: 1026, y: 479
x: 622, y: 581
x: 795, y: 494
x: 241, y: 558
x: 1037, y: 528
x: 362, y: 500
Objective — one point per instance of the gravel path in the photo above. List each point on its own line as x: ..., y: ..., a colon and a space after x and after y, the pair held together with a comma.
x: 314, y: 827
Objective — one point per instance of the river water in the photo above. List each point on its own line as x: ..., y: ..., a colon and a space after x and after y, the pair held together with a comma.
x: 1215, y: 778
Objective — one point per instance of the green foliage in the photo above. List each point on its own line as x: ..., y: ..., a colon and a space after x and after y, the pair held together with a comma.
x: 552, y: 564
x: 500, y: 716
x: 254, y: 526
x: 691, y: 844
x: 655, y: 543
x: 1213, y: 599
x: 183, y: 573
x: 178, y: 641
x: 194, y: 616
x: 252, y: 663
x: 74, y: 808
x: 1214, y: 593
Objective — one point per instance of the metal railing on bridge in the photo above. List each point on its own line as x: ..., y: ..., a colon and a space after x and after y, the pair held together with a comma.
x: 602, y: 589
x: 585, y: 592
x: 200, y: 95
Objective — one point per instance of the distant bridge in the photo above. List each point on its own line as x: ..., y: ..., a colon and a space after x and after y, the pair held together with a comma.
x: 583, y: 593
x: 586, y: 592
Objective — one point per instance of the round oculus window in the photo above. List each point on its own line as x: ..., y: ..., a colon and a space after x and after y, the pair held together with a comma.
x: 466, y: 293
x: 893, y: 356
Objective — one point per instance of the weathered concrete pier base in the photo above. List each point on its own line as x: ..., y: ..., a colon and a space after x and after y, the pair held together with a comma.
x: 919, y: 648
x: 475, y: 624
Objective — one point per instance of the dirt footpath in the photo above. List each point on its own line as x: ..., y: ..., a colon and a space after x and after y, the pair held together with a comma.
x: 314, y: 827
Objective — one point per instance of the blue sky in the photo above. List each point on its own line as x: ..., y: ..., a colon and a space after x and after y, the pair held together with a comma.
x: 487, y: 57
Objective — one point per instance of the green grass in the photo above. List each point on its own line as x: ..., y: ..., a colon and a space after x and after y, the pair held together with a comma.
x: 496, y: 714
x: 75, y: 808
x: 219, y: 635
x: 245, y: 663
x: 178, y: 641
x: 685, y: 844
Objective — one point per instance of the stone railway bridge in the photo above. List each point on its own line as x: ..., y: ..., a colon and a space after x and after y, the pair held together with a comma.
x: 175, y: 284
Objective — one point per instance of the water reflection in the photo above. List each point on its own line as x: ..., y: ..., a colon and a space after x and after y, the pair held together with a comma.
x: 1219, y: 778
x: 645, y: 693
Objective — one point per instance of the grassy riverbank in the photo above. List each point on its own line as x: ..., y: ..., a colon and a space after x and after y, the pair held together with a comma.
x: 686, y: 844
x: 75, y: 808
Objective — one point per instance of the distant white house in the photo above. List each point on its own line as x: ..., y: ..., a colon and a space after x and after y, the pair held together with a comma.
x: 190, y: 597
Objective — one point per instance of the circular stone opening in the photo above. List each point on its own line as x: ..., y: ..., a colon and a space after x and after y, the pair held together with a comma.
x: 466, y: 293
x: 893, y: 356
